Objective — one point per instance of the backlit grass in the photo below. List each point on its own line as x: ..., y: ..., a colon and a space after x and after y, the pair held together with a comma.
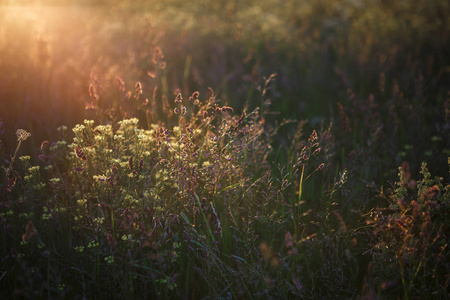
x: 239, y: 149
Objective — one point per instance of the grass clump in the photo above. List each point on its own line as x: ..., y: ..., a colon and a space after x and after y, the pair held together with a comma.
x: 410, y: 252
x: 160, y: 212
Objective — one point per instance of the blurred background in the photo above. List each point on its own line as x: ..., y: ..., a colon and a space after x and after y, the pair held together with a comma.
x: 364, y: 65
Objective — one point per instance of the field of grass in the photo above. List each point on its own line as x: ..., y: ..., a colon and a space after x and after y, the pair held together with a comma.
x: 225, y: 149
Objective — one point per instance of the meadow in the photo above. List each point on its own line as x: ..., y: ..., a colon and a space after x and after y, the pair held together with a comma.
x: 224, y: 149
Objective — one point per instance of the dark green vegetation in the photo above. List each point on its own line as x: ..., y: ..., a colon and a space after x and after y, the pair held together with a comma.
x: 313, y: 162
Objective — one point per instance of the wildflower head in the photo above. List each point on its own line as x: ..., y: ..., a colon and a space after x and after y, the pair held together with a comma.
x: 179, y: 98
x: 22, y: 135
x: 80, y: 153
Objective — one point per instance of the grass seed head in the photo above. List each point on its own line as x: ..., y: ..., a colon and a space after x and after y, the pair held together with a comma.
x: 130, y: 163
x: 211, y: 92
x: 227, y: 109
x: 121, y: 84
x: 179, y: 98
x: 30, y: 232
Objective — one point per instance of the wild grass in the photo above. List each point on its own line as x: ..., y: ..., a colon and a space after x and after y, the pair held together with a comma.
x: 226, y: 150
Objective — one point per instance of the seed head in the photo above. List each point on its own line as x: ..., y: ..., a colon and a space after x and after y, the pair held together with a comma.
x: 183, y: 109
x: 120, y: 84
x: 130, y: 162
x: 10, y: 183
x: 431, y: 193
x: 179, y: 98
x: 92, y: 92
x: 44, y: 145
x: 211, y: 92
x: 114, y: 169
x: 157, y: 55
x: 402, y: 204
x: 227, y: 109
x: 138, y: 86
x: 30, y: 232
x: 313, y: 137
x: 141, y: 165
x: 110, y: 179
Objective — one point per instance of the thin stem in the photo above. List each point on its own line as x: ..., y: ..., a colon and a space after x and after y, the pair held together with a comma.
x: 13, y: 158
x: 297, y: 205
